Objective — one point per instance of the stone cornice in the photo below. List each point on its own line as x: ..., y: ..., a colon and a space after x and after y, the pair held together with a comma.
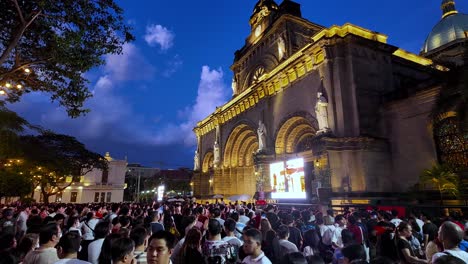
x: 288, y: 72
x: 355, y: 143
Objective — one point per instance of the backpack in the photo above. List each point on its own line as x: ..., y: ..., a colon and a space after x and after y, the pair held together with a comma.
x: 463, y: 245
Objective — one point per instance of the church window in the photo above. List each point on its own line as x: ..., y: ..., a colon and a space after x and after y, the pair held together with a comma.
x: 257, y: 74
x: 451, y: 143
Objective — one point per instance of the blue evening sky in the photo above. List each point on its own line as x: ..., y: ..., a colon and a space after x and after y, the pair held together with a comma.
x: 147, y: 100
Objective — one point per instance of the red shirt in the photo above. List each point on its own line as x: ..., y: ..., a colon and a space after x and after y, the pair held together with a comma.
x: 356, y: 230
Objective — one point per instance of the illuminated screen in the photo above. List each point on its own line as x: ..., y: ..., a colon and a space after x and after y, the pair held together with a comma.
x: 287, y: 179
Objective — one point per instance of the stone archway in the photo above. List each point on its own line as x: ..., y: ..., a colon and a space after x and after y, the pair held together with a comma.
x: 207, y: 162
x: 238, y: 173
x: 293, y: 131
x: 241, y: 144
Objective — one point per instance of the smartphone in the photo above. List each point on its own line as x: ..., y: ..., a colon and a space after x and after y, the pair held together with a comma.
x: 161, y: 210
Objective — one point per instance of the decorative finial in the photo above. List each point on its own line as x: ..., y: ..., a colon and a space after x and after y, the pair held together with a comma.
x: 448, y: 8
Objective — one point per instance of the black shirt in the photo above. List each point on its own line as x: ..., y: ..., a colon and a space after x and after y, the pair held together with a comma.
x: 295, y: 236
x: 431, y: 230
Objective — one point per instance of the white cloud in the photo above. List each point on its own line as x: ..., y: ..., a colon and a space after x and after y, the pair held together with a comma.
x: 114, y: 119
x: 212, y: 92
x: 130, y: 65
x: 159, y: 35
x: 172, y: 66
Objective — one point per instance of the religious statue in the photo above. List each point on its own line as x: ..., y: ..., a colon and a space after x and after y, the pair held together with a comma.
x: 261, y: 131
x: 217, y: 154
x: 196, y: 161
x: 234, y: 86
x: 321, y: 113
x: 216, y: 150
x: 281, y: 48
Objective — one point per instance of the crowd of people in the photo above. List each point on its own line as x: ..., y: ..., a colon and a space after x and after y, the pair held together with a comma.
x: 190, y: 232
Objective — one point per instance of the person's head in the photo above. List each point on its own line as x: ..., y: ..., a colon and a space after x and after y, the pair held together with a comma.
x: 448, y: 260
x: 124, y: 221
x: 215, y: 212
x: 160, y: 247
x: 192, y: 239
x: 450, y: 234
x: 352, y: 220
x: 265, y: 225
x: 283, y: 232
x: 241, y: 211
x: 139, y: 236
x: 315, y: 259
x: 353, y: 253
x: 69, y: 244
x: 294, y: 258
x: 59, y: 218
x: 105, y: 256
x: 101, y: 230
x: 214, y: 227
x: 229, y: 226
x: 235, y: 216
x: 49, y: 234
x: 311, y: 238
x: 340, y: 220
x: 252, y: 241
x: 404, y: 229
x: 394, y: 213
x: 27, y: 243
x: 122, y: 250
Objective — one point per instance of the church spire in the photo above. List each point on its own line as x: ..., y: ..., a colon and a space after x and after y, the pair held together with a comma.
x: 448, y: 8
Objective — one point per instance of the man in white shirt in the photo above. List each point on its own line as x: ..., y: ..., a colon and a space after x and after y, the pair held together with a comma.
x: 253, y: 248
x: 396, y: 221
x: 450, y: 234
x: 46, y: 253
x: 242, y: 218
x: 286, y: 246
x: 336, y: 237
x: 68, y: 247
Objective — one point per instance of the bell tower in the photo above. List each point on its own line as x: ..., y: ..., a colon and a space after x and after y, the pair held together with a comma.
x: 262, y: 17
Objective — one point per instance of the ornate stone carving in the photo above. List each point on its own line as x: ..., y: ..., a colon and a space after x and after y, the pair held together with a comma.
x: 281, y: 48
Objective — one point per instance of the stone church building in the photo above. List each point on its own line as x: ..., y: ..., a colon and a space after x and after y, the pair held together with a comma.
x: 355, y: 109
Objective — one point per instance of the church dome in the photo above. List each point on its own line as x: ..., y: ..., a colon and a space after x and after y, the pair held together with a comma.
x: 453, y: 26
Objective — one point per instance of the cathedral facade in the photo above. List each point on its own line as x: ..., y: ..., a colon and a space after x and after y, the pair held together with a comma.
x: 323, y: 113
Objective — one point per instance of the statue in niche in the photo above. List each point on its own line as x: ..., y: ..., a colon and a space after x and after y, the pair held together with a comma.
x: 281, y: 48
x: 234, y: 86
x: 261, y: 131
x: 216, y: 150
x: 217, y: 154
x: 196, y: 161
x: 321, y: 113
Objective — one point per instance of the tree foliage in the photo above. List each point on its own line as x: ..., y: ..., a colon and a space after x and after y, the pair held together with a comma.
x: 47, y: 45
x: 13, y: 181
x: 50, y: 158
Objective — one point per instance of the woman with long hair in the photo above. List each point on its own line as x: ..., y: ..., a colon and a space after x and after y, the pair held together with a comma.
x: 265, y: 226
x: 105, y: 256
x: 311, y: 242
x: 191, y: 249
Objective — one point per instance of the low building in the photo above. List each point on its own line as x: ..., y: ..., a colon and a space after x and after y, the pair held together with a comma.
x: 95, y: 186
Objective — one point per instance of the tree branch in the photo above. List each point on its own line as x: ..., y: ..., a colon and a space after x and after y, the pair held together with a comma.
x: 17, y: 68
x: 16, y: 39
x: 19, y: 12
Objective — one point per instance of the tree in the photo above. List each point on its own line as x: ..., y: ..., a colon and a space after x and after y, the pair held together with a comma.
x: 443, y: 179
x: 47, y: 45
x: 14, y: 182
x: 11, y: 125
x: 51, y: 158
